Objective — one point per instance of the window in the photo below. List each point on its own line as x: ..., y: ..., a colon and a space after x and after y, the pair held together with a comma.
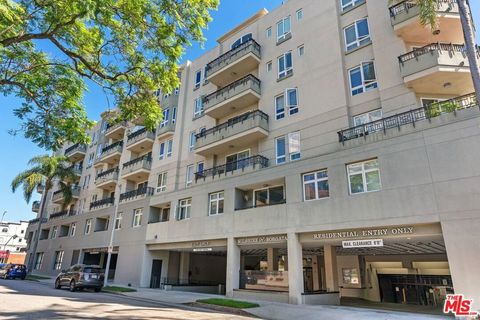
x: 88, y: 226
x: 166, y: 118
x: 292, y: 140
x: 162, y: 182
x: 299, y: 14
x: 118, y: 221
x: 54, y: 232
x: 362, y: 78
x: 73, y: 228
x: 242, y: 40
x: 269, y: 66
x: 283, y: 29
x: 216, y: 200
x: 4, y: 230
x: 99, y: 150
x: 301, y: 50
x: 91, y: 156
x: 38, y: 261
x: 356, y: 34
x: 367, y: 117
x: 169, y: 148
x: 184, y: 209
x: 268, y: 196
x: 268, y: 33
x: 57, y: 265
x: 176, y: 91
x: 200, y: 167
x: 192, y: 140
x: 165, y: 149
x: 198, y: 79
x: 315, y: 185
x: 174, y: 114
x: 198, y: 107
x: 189, y: 177
x: 364, y: 176
x: 205, y: 70
x: 137, y: 217
x: 350, y: 276
x: 285, y: 66
x: 348, y: 4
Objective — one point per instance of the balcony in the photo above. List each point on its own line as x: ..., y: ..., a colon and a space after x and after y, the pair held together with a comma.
x: 77, y: 170
x: 244, y: 165
x: 237, y: 132
x: 406, y: 22
x: 140, y: 140
x: 116, y: 131
x: 40, y: 188
x: 137, y: 194
x: 76, y: 152
x: 111, y: 154
x: 234, y: 64
x: 166, y: 130
x: 236, y: 96
x: 138, y: 169
x: 37, y: 220
x: 58, y: 196
x: 35, y: 206
x: 62, y: 214
x: 101, y: 204
x: 437, y: 68
x: 408, y: 118
x: 107, y: 179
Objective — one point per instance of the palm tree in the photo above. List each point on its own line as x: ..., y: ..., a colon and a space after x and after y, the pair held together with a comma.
x: 44, y: 171
x: 429, y: 18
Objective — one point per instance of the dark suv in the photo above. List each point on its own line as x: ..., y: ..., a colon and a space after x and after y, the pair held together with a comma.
x: 81, y: 276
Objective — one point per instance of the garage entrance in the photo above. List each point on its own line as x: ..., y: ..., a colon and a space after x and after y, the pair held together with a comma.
x: 98, y: 256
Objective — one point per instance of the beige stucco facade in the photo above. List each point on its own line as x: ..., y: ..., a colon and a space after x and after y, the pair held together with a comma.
x: 427, y: 169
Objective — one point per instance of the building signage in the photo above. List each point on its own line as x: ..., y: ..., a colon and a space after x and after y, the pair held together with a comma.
x: 395, y: 231
x: 262, y: 239
x: 367, y: 243
x: 202, y: 249
x: 200, y: 244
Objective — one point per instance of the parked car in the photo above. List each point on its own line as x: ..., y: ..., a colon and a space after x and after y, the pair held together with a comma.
x: 13, y: 271
x: 81, y: 276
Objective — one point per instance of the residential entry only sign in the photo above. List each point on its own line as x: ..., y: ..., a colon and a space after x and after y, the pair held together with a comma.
x: 367, y: 243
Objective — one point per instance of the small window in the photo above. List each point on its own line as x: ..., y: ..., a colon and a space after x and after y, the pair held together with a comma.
x: 269, y: 66
x: 364, y: 176
x: 200, y: 167
x: 299, y: 14
x: 169, y: 148
x: 88, y: 226
x: 205, y: 70
x: 118, y: 221
x: 363, y: 78
x: 189, y: 176
x: 198, y: 79
x: 216, y: 202
x: 198, y: 107
x: 137, y: 217
x: 268, y: 33
x: 301, y: 50
x: 184, y: 209
x: 165, y: 118
x: 348, y: 4
x: 315, y: 185
x: 54, y: 232
x: 162, y: 182
x: 283, y: 29
x: 285, y: 65
x: 280, y: 150
x: 192, y: 140
x: 356, y: 34
x: 73, y: 228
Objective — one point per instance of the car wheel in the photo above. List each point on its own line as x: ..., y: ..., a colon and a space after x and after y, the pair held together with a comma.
x: 72, y: 286
x: 57, y: 284
x: 23, y: 278
x: 98, y: 289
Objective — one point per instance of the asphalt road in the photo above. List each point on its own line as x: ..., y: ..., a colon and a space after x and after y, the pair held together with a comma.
x: 34, y: 300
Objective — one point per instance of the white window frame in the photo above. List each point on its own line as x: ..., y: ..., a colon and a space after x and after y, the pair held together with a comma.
x: 268, y: 32
x: 268, y: 197
x: 54, y: 232
x: 286, y: 70
x: 366, y: 85
x: 117, y: 225
x: 364, y: 179
x: 269, y: 66
x: 137, y: 217
x: 280, y: 159
x: 57, y: 263
x: 162, y: 182
x: 238, y: 42
x: 359, y: 41
x: 198, y: 107
x: 169, y: 146
x: 315, y: 182
x: 216, y: 197
x: 284, y: 33
x: 38, y: 260
x: 88, y: 226
x: 191, y: 141
x: 299, y: 14
x: 165, y: 118
x: 198, y: 80
x: 189, y: 175
x: 73, y: 229
x: 350, y: 4
x: 186, y: 205
x: 288, y: 146
x: 369, y: 114
x: 301, y: 50
x: 287, y: 104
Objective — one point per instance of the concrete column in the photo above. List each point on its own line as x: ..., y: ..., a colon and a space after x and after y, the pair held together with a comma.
x: 331, y: 274
x: 183, y: 274
x: 272, y: 259
x: 233, y: 267
x: 295, y: 269
x: 315, y: 273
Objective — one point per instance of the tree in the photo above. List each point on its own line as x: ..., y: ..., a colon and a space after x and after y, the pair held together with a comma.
x: 45, y: 171
x: 49, y: 49
x: 429, y: 18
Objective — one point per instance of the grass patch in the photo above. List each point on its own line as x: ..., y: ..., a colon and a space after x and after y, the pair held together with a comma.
x: 33, y: 277
x: 229, y: 303
x: 117, y: 289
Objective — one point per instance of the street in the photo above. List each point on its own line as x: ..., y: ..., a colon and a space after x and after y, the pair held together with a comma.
x: 34, y: 300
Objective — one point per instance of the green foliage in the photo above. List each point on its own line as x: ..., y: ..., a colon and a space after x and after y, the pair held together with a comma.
x: 117, y: 289
x: 428, y: 12
x: 229, y: 303
x: 436, y: 109
x: 130, y: 48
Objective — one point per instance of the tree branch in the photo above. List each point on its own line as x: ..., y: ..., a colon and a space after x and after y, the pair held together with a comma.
x: 22, y: 87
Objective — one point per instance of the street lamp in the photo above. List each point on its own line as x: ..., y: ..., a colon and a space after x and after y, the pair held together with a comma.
x: 110, y: 245
x: 3, y: 215
x: 6, y: 243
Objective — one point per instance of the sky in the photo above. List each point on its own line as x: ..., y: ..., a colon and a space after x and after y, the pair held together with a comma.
x: 18, y: 150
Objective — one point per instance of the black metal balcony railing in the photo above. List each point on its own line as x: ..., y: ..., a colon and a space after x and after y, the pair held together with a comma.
x: 62, y: 214
x: 79, y: 146
x: 231, y: 86
x: 406, y: 5
x: 106, y: 173
x: 229, y: 54
x: 111, y: 126
x: 36, y: 220
x: 409, y: 117
x: 35, y: 205
x: 147, y: 158
x: 145, y: 191
x: 112, y: 146
x: 102, y: 202
x: 430, y: 48
x: 242, y: 164
x: 233, y: 121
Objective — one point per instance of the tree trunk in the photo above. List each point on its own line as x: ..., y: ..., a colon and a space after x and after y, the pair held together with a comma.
x: 31, y: 258
x: 466, y: 19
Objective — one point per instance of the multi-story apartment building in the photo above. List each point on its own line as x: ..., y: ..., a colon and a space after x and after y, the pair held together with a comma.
x: 325, y: 149
x: 12, y: 241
